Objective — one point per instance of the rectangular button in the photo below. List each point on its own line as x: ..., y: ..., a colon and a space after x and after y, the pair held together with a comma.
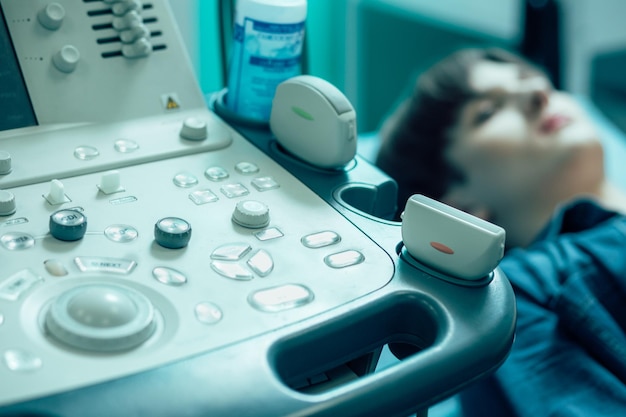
x: 17, y: 284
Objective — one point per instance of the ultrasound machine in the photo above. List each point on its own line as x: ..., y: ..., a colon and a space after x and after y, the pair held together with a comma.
x: 158, y: 257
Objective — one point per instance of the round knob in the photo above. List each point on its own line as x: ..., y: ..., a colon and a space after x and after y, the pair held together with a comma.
x: 172, y: 232
x: 194, y: 129
x: 101, y: 317
x: 251, y: 214
x: 66, y: 59
x: 51, y: 16
x: 5, y: 162
x: 7, y: 203
x: 68, y: 225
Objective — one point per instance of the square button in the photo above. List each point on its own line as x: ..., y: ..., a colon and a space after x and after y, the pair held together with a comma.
x: 203, y: 197
x: 234, y: 190
x: 265, y: 183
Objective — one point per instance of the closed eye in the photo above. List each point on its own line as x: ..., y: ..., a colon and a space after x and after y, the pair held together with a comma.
x: 483, y: 111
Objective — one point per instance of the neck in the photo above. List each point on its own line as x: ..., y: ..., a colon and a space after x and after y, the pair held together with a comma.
x: 523, y: 221
x: 612, y: 197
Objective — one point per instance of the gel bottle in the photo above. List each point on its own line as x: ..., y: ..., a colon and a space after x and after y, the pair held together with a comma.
x: 267, y: 49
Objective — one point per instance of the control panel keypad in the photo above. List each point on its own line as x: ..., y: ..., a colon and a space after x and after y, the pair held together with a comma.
x: 212, y: 241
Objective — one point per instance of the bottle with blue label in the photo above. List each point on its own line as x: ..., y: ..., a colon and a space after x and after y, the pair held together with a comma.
x: 267, y: 50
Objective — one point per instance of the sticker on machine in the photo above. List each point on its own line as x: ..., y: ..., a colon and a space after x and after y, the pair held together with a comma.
x: 170, y: 101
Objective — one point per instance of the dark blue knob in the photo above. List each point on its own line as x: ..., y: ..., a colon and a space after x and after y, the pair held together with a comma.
x: 68, y: 224
x: 172, y: 232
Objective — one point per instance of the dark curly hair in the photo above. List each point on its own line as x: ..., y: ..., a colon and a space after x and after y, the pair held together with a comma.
x: 415, y: 136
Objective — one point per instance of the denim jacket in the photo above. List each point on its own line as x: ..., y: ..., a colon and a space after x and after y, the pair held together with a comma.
x: 569, y: 353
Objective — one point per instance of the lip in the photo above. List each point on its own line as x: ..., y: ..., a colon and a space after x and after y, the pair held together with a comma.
x: 554, y: 123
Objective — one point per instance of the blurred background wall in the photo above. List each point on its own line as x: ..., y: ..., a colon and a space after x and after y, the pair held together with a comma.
x: 371, y: 49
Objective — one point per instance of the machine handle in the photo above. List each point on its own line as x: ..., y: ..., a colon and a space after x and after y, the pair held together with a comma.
x: 459, y: 333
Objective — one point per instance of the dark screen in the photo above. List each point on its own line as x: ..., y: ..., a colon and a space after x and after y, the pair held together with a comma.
x: 15, y: 107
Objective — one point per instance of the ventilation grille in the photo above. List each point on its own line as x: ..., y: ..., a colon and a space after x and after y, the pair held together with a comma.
x: 112, y: 44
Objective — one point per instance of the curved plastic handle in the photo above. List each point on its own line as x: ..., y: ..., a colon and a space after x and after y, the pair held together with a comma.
x: 456, y: 341
x: 461, y: 334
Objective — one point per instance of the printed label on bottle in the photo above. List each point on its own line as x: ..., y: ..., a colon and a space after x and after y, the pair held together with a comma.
x: 264, y: 55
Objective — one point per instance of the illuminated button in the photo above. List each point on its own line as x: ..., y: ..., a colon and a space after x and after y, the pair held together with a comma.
x: 231, y: 252
x: 344, y: 259
x: 251, y: 214
x: 280, y: 298
x: 110, y: 182
x: 66, y: 59
x: 185, y: 180
x: 138, y: 49
x: 101, y: 317
x: 51, y: 17
x: 121, y: 233
x: 17, y: 241
x: 169, y: 276
x: 203, y: 197
x: 56, y: 194
x: 208, y: 313
x: 261, y: 262
x: 234, y: 190
x: 216, y: 173
x: 17, y: 284
x: 320, y: 239
x: 246, y: 168
x: 5, y: 163
x: 268, y: 234
x: 265, y: 183
x: 86, y: 152
x: 19, y: 360
x: 68, y: 225
x: 172, y: 232
x: 194, y: 129
x: 55, y: 267
x: 107, y: 265
x: 231, y: 270
x: 7, y: 203
x: 125, y: 146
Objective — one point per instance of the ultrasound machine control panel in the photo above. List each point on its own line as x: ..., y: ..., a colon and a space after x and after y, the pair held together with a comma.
x: 158, y: 259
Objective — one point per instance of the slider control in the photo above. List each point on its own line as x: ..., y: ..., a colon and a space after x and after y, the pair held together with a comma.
x: 56, y: 195
x: 110, y: 183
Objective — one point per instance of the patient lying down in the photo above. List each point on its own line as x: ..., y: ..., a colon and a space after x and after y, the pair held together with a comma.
x: 484, y: 131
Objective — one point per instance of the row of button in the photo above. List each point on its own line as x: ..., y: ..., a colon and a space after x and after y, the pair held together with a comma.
x: 232, y: 190
x: 110, y: 183
x: 225, y: 260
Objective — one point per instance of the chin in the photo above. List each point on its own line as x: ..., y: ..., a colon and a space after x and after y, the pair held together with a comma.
x: 579, y: 132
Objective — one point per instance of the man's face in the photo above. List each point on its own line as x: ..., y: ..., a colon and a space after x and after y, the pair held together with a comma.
x: 518, y: 137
